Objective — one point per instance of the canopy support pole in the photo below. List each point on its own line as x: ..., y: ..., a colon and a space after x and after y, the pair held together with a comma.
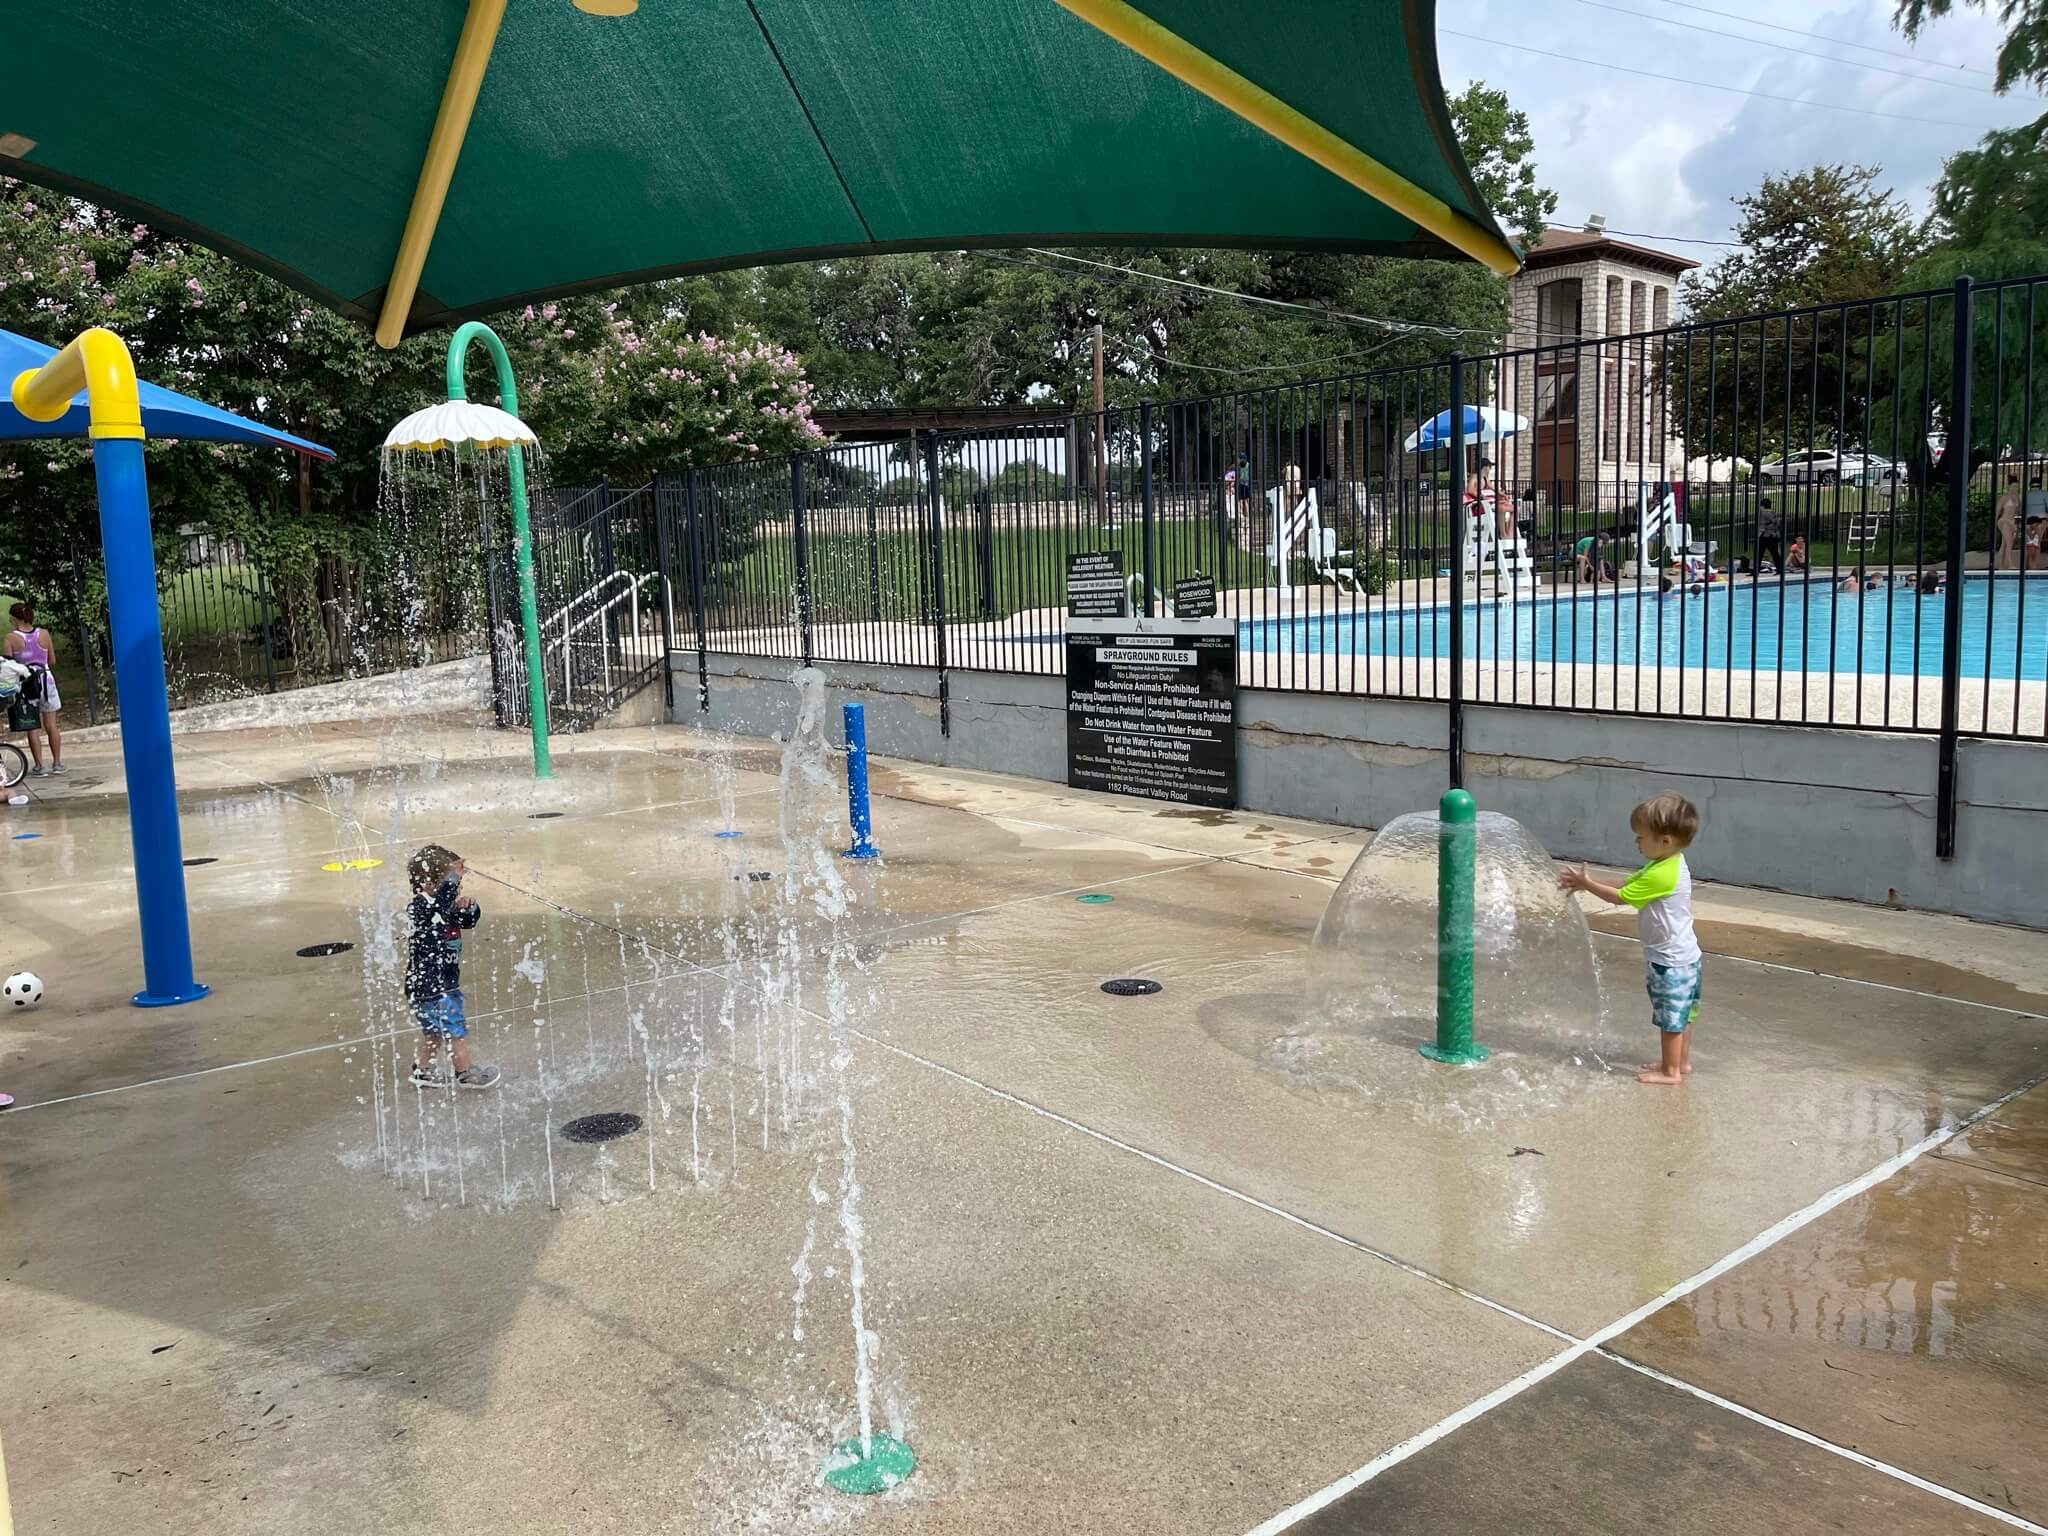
x: 1262, y: 109
x: 444, y: 146
x: 97, y: 362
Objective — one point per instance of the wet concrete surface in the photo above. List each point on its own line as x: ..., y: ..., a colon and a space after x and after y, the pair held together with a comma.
x: 1910, y: 1324
x: 1598, y: 1448
x: 1132, y: 1267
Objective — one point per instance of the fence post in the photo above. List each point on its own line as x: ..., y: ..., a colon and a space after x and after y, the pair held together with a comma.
x: 874, y: 564
x: 85, y: 647
x: 1957, y: 450
x: 1455, y: 735
x: 697, y: 590
x: 938, y: 559
x: 663, y: 496
x: 803, y: 556
x: 269, y: 646
x: 1148, y: 532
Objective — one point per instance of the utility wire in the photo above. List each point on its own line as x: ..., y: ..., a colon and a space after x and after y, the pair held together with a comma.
x: 1809, y: 53
x: 1707, y: 85
x: 1839, y: 42
x: 1636, y: 234
x: 1239, y: 372
x: 1377, y: 323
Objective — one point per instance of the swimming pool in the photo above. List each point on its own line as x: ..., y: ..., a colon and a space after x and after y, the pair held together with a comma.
x: 1770, y: 626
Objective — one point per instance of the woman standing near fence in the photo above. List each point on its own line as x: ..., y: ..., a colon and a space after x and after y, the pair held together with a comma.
x: 30, y: 646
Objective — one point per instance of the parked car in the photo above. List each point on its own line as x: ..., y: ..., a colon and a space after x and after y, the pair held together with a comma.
x: 1828, y: 466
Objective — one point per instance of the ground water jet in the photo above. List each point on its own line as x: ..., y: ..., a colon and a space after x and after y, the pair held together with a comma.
x: 1449, y: 930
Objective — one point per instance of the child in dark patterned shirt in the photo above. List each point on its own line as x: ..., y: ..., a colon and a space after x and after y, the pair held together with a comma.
x: 439, y: 914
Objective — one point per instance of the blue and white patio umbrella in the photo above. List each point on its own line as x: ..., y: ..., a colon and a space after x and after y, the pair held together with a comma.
x: 1483, y: 424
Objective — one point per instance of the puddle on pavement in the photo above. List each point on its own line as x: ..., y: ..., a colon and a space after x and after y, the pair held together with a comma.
x: 1853, y: 962
x: 1939, y: 1261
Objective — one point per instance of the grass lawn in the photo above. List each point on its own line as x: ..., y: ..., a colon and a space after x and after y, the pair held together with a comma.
x: 1018, y: 569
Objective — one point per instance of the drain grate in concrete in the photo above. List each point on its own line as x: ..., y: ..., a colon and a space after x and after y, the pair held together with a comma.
x: 609, y: 1126
x: 332, y: 947
x: 209, y: 859
x: 542, y: 815
x: 1130, y: 986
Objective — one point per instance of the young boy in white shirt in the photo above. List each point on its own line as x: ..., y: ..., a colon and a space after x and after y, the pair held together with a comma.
x: 1661, y: 893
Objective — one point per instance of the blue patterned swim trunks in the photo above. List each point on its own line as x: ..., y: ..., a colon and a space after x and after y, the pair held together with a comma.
x: 1674, y: 995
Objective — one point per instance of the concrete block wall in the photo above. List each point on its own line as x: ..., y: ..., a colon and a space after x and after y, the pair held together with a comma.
x: 1816, y: 812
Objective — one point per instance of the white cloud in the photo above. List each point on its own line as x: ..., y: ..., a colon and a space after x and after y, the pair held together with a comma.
x: 1665, y: 159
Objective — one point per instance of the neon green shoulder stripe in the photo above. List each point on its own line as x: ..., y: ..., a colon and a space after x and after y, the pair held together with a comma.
x: 1654, y: 881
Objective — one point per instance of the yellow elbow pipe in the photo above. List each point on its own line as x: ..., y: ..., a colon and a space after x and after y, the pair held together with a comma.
x: 1262, y: 109
x: 97, y: 362
x: 444, y: 147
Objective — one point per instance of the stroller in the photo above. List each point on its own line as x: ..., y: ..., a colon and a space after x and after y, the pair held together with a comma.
x: 21, y: 691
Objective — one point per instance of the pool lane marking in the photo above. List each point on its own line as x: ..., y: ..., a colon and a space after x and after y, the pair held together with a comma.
x: 1775, y: 1233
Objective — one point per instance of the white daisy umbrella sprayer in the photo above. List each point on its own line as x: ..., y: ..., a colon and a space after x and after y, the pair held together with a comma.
x: 461, y: 425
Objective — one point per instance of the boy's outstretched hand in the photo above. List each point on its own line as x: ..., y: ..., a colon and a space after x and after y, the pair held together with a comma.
x: 1571, y: 879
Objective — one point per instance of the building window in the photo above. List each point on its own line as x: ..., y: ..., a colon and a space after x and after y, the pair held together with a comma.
x: 1662, y: 308
x: 1614, y: 315
x: 1638, y: 306
x: 1557, y: 311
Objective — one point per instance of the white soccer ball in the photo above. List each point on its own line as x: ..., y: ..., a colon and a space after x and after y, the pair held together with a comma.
x: 24, y: 989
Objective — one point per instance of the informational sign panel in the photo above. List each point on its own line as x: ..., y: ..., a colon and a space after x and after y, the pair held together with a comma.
x: 1095, y: 585
x: 1194, y: 597
x: 1152, y: 708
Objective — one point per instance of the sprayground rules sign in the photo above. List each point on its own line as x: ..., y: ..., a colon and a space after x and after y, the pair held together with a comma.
x: 1152, y: 708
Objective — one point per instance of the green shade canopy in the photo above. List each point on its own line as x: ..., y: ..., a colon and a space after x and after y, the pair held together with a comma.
x: 699, y: 134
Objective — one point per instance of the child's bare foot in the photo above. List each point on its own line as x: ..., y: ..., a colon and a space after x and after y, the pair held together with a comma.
x: 1658, y: 1066
x: 1660, y: 1077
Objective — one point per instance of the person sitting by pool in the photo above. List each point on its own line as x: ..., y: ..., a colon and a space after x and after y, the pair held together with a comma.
x: 1484, y: 499
x: 1593, y: 567
x: 1795, y: 557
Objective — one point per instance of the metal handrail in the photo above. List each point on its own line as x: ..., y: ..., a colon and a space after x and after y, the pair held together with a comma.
x: 569, y: 630
x: 549, y: 622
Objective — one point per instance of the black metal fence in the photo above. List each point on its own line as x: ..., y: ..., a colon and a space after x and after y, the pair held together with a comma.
x: 1822, y: 516
x: 240, y: 619
x: 1827, y: 516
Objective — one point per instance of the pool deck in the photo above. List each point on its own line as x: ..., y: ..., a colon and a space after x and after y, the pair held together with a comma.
x: 1125, y: 1275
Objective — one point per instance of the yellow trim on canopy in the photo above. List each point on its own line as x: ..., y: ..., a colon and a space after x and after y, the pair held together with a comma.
x: 444, y: 146
x: 1262, y: 109
x: 96, y: 361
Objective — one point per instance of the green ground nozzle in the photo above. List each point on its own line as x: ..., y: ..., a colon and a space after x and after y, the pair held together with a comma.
x: 871, y: 1464
x: 1457, y: 849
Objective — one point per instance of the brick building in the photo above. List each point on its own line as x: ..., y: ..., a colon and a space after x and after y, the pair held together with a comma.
x: 1583, y: 302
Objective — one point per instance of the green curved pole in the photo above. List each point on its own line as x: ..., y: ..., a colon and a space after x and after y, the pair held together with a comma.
x: 1457, y: 848
x: 522, y: 532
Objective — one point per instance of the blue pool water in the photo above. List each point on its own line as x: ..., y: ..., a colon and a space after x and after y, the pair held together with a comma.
x: 1773, y: 626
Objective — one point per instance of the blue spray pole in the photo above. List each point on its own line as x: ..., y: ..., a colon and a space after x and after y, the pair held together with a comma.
x: 97, y: 362
x: 138, y: 642
x: 857, y: 784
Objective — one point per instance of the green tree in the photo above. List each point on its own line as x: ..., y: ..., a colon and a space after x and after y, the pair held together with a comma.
x: 1829, y: 235
x: 2023, y: 56
x: 1825, y: 235
x: 1499, y: 147
x: 1990, y: 206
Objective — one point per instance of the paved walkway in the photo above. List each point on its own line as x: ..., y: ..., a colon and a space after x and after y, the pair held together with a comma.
x: 1125, y: 1273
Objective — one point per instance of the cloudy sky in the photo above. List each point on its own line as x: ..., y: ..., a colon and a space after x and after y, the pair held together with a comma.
x: 1665, y: 158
